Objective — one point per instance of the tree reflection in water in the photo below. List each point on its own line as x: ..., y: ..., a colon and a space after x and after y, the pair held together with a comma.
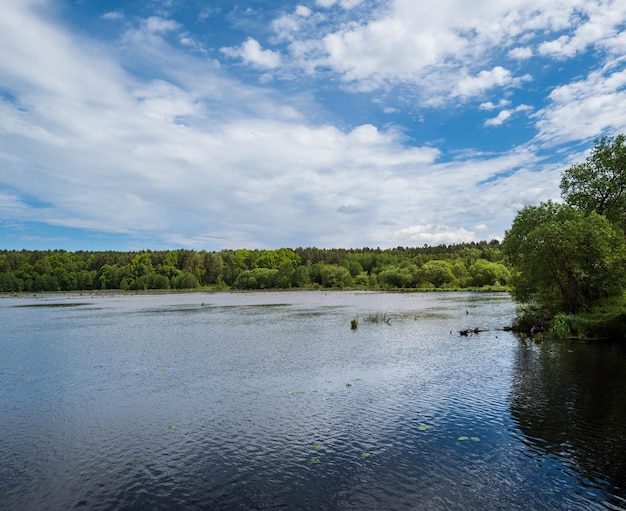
x: 569, y: 401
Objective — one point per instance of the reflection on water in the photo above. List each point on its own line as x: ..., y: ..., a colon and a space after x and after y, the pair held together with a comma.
x: 569, y: 399
x: 238, y: 401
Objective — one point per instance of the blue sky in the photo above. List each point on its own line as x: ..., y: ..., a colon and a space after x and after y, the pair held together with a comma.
x: 163, y: 124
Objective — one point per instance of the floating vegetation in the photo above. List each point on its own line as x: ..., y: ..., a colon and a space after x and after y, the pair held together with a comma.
x: 296, y: 392
x: 172, y: 426
x: 354, y: 324
x: 135, y: 461
x: 24, y: 379
x: 318, y: 447
x: 314, y: 460
x: 424, y: 427
x: 226, y: 421
x: 365, y: 455
x: 465, y: 438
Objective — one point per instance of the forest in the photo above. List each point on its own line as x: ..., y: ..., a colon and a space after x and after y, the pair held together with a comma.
x: 462, y: 266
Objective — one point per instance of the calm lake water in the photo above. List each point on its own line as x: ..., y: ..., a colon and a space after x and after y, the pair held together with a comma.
x: 236, y: 401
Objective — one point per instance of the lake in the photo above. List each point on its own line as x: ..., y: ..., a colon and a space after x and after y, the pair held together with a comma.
x: 262, y: 401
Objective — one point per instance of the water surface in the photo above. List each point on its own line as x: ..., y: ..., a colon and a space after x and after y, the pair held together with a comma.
x: 270, y: 401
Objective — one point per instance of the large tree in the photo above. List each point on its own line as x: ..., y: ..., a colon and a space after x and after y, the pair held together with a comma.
x: 599, y: 184
x: 565, y: 259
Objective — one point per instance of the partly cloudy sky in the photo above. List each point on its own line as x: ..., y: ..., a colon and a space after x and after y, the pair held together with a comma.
x: 167, y: 124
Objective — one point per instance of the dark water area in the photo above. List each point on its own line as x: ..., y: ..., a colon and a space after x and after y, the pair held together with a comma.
x: 263, y: 401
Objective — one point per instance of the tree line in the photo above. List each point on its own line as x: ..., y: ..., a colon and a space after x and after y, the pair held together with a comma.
x: 459, y: 266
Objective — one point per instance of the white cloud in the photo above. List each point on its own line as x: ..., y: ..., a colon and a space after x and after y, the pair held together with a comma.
x: 497, y: 77
x: 521, y: 53
x: 303, y: 11
x: 113, y: 15
x: 433, y: 235
x: 346, y: 4
x: 193, y: 156
x: 505, y: 115
x: 252, y: 53
x: 158, y: 25
x: 440, y: 52
x: 500, y: 119
x: 584, y: 109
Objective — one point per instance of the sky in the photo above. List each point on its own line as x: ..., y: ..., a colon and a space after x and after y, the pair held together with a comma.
x: 260, y: 124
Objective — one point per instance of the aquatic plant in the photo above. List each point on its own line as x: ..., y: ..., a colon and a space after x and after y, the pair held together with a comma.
x: 354, y: 324
x: 465, y: 438
x: 379, y: 318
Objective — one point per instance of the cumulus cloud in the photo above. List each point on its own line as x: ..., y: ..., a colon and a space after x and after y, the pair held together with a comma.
x: 504, y: 115
x: 585, y: 108
x: 252, y: 53
x: 521, y: 53
x: 183, y: 152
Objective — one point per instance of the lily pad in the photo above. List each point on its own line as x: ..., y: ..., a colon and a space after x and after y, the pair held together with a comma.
x: 463, y: 438
x: 226, y: 421
x: 172, y: 426
x: 314, y: 460
x: 135, y: 461
x: 424, y: 427
x: 475, y: 439
x: 365, y: 455
x: 318, y: 447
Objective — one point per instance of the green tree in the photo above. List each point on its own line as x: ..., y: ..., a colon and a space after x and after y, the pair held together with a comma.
x: 599, y: 184
x: 333, y: 275
x: 486, y: 273
x: 565, y: 259
x: 437, y: 272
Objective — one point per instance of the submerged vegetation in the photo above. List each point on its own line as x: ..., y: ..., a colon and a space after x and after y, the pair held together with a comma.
x: 465, y: 266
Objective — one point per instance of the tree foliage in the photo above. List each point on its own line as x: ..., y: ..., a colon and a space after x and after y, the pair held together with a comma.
x: 565, y: 258
x: 570, y: 257
x: 599, y: 183
x: 369, y: 268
